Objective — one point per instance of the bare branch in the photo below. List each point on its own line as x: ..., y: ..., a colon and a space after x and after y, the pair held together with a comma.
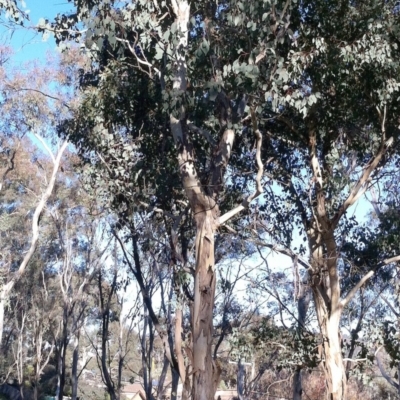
x: 139, y: 60
x: 42, y: 93
x: 286, y: 252
x: 245, y: 204
x: 365, y: 278
x: 38, y: 212
x: 362, y: 184
x: 44, y: 144
x: 7, y: 288
x: 394, y: 311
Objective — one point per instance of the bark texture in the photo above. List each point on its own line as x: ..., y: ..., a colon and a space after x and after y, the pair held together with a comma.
x: 205, y: 373
x: 323, y: 270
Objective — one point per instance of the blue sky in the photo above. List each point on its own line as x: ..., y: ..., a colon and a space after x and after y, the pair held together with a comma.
x: 27, y: 44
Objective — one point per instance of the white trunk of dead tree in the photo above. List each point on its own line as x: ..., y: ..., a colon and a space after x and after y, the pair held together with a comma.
x: 8, y: 287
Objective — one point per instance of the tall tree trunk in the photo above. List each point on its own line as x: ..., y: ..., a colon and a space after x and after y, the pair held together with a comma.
x: 147, y: 352
x: 324, y: 277
x: 334, y: 367
x: 61, y: 372
x: 240, y: 380
x: 105, y: 302
x: 303, y: 302
x: 205, y: 377
x: 74, y: 372
x: 297, y: 384
x: 62, y: 355
x: 326, y: 293
x: 161, y: 380
x: 2, y: 306
x: 174, y: 384
x: 8, y: 287
x: 204, y: 206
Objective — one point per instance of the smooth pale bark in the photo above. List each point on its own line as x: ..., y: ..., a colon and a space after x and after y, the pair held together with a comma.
x: 326, y: 293
x: 324, y: 278
x: 335, y: 372
x: 40, y: 361
x: 8, y: 287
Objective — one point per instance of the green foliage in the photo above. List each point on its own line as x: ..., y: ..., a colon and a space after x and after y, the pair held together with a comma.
x: 12, y: 9
x: 323, y: 84
x: 272, y: 344
x: 128, y: 95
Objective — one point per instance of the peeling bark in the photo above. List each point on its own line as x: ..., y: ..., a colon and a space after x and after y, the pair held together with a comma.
x: 203, y: 203
x: 202, y: 316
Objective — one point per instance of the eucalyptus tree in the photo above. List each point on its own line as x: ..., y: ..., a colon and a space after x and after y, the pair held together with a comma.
x: 34, y: 308
x: 383, y: 325
x: 332, y: 134
x: 9, y: 261
x: 29, y: 174
x: 172, y: 86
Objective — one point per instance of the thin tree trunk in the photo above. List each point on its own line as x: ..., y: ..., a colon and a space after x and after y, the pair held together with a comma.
x: 144, y: 355
x: 303, y: 302
x: 35, y: 391
x: 62, y: 355
x: 161, y: 380
x: 174, y: 384
x: 7, y: 288
x: 104, y: 338
x: 74, y: 372
x: 149, y: 394
x: 240, y: 380
x: 297, y: 384
x: 398, y: 377
x: 2, y: 306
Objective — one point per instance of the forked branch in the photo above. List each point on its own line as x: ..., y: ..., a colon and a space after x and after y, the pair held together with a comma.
x: 362, y: 184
